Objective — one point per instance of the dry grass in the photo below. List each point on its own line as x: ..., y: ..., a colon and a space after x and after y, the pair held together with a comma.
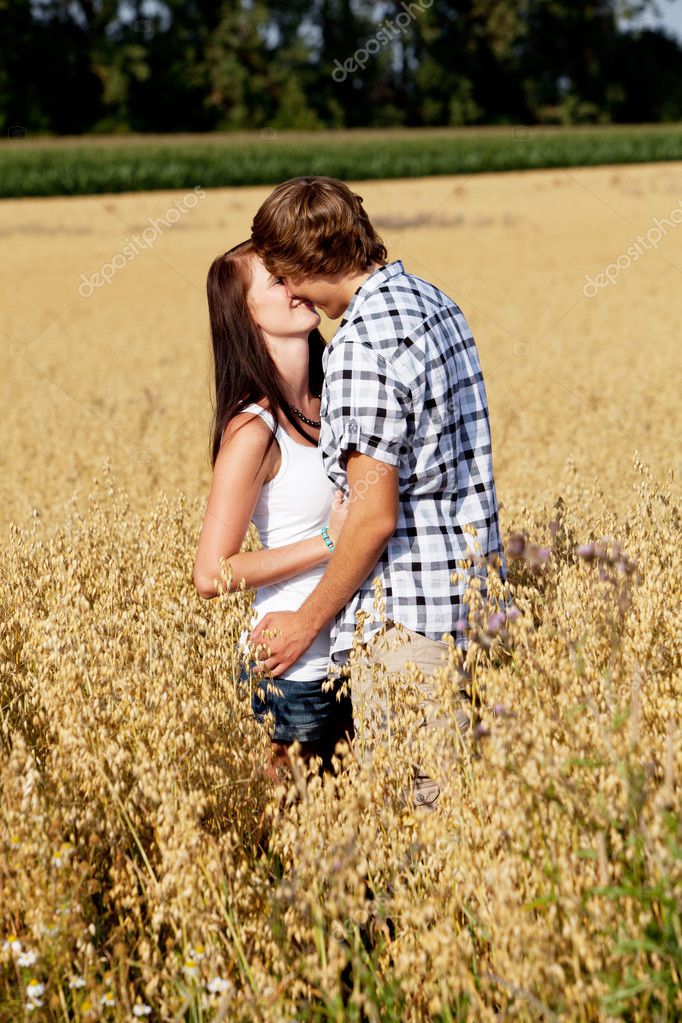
x: 145, y: 850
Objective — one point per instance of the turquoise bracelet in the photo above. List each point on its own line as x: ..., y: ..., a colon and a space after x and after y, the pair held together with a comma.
x: 327, y: 539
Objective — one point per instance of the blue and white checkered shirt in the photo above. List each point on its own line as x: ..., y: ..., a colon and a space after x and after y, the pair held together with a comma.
x: 403, y: 383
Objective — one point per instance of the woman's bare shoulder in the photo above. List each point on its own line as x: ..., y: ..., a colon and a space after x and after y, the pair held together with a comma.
x: 250, y: 428
x: 246, y: 446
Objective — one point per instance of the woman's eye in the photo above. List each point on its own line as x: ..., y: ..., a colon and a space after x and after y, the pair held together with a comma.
x: 279, y: 280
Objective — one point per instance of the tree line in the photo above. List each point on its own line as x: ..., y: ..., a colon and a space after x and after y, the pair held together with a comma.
x: 75, y: 66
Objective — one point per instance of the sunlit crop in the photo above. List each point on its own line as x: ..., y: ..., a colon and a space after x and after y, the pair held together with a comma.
x: 151, y: 868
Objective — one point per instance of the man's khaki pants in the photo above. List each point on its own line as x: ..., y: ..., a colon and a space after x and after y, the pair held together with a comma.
x: 390, y: 654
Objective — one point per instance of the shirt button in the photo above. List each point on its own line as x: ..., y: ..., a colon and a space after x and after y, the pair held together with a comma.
x: 419, y: 797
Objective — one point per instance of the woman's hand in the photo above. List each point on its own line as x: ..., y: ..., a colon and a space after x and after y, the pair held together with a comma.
x: 337, y: 516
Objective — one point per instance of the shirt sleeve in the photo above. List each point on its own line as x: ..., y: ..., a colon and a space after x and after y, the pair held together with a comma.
x: 364, y: 407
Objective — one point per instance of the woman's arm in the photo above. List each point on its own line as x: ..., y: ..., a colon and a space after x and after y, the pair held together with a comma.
x: 238, y: 477
x: 258, y: 568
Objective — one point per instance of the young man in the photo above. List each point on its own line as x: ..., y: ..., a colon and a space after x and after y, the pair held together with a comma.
x: 405, y: 433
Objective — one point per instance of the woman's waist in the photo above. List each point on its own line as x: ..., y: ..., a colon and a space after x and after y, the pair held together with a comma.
x: 288, y: 594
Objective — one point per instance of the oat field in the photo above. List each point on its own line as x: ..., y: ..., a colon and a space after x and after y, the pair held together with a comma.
x: 149, y: 867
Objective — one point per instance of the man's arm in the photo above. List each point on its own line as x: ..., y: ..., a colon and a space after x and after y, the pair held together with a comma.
x: 372, y: 517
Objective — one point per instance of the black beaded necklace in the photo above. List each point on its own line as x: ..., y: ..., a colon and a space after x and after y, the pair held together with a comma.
x: 311, y: 422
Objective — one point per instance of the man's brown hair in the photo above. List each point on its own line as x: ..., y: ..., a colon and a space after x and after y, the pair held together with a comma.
x: 315, y: 225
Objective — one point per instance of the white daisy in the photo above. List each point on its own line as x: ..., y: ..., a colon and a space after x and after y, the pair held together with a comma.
x: 218, y: 985
x: 26, y: 958
x: 141, y: 1009
x: 190, y: 969
x: 60, y: 858
x: 34, y: 989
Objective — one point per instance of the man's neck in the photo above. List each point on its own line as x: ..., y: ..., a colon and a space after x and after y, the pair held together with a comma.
x: 352, y: 282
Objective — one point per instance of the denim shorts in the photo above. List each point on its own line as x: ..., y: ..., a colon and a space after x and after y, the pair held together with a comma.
x: 304, y: 711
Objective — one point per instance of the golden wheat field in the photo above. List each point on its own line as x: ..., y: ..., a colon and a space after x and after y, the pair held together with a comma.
x: 149, y: 866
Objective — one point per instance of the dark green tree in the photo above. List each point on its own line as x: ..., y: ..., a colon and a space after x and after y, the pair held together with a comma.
x: 71, y: 66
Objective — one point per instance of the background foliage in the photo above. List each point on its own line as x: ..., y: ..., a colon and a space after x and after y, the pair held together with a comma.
x: 197, y: 65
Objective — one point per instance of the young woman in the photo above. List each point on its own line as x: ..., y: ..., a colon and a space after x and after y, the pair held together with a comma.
x: 267, y: 354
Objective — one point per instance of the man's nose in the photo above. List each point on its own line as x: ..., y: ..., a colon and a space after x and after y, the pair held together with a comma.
x: 289, y: 290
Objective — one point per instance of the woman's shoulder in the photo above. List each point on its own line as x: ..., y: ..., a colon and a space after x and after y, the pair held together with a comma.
x: 246, y: 448
x: 249, y: 429
x: 254, y: 420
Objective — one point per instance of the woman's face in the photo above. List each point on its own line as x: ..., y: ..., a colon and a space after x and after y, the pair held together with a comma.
x: 275, y: 312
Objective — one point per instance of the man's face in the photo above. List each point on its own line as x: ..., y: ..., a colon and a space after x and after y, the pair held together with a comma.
x: 323, y: 292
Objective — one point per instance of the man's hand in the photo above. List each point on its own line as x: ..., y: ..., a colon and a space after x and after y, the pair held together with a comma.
x: 289, y: 634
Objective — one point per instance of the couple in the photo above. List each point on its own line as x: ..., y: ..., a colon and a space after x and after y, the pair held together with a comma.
x: 366, y: 457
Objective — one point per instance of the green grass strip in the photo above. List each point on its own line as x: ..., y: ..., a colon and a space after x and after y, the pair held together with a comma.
x: 131, y: 164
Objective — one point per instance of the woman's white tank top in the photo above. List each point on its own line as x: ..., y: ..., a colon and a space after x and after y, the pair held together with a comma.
x: 293, y: 506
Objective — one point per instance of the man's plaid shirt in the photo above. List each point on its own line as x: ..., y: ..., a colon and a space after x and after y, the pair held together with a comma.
x: 403, y: 383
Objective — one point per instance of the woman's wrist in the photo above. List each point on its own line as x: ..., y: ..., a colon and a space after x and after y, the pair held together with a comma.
x: 328, y: 539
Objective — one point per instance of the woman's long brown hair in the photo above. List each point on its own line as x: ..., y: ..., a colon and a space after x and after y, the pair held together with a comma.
x: 244, y: 370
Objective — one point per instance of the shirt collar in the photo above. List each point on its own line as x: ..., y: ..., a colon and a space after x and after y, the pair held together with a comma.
x: 373, y: 282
